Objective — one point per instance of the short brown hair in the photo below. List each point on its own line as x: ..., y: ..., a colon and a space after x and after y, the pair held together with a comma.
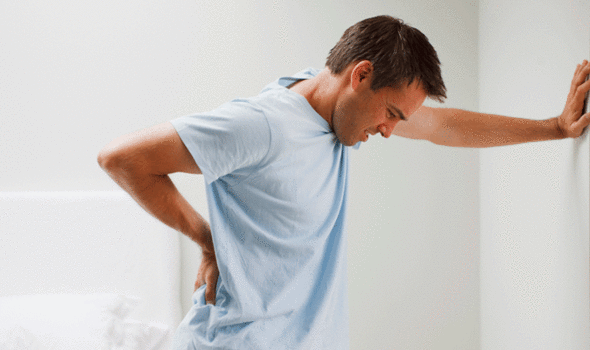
x: 399, y: 53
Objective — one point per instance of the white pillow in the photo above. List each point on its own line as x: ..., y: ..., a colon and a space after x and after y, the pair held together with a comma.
x: 141, y: 336
x: 69, y: 321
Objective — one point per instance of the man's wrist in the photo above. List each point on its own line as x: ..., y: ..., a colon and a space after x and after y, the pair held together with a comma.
x: 558, y: 127
x: 198, y: 230
x: 207, y: 247
x: 206, y: 243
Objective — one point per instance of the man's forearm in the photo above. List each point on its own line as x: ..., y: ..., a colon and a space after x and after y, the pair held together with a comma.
x: 158, y: 195
x: 460, y: 128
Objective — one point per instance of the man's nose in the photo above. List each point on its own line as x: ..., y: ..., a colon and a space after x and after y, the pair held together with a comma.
x: 385, y: 130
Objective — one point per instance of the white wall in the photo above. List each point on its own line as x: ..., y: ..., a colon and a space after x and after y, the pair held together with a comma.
x: 76, y: 74
x: 414, y: 224
x: 534, y: 197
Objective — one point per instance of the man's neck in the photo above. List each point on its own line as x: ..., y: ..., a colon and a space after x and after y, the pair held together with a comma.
x: 321, y: 92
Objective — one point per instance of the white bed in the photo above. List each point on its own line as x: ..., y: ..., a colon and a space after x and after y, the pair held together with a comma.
x: 85, y: 270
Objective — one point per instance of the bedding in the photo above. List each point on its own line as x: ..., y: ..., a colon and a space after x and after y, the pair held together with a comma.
x: 67, y: 321
x: 74, y: 245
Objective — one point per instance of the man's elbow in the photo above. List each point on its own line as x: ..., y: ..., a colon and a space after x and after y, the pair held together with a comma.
x: 111, y: 159
x: 444, y: 130
x: 103, y: 159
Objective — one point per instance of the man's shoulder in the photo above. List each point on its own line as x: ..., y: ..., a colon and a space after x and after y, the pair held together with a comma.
x: 238, y: 117
x: 285, y: 81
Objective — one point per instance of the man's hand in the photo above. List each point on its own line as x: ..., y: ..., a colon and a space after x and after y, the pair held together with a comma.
x: 208, y: 273
x: 571, y: 122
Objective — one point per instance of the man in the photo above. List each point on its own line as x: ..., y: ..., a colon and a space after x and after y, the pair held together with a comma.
x: 273, y: 272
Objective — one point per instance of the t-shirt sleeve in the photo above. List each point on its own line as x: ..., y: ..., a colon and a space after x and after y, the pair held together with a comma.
x: 233, y: 138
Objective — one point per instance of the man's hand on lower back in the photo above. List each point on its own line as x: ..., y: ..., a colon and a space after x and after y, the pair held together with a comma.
x: 208, y: 274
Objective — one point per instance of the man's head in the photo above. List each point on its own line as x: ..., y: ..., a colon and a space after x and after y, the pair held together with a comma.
x: 387, y: 70
x: 399, y: 54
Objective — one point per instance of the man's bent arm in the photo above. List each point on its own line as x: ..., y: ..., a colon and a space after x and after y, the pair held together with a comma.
x: 140, y: 163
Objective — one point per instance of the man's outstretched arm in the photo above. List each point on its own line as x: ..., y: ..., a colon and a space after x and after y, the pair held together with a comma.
x: 140, y: 163
x: 460, y: 128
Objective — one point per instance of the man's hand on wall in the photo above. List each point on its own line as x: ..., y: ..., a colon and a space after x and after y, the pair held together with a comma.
x: 571, y: 122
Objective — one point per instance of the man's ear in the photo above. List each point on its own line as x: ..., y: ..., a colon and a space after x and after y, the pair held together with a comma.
x: 361, y: 73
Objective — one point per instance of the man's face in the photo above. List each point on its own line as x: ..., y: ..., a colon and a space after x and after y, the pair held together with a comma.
x: 363, y: 112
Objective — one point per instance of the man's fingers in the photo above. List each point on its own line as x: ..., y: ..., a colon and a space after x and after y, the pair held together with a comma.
x: 581, y: 123
x: 585, y: 70
x: 579, y: 75
x: 582, y: 74
x: 581, y: 91
x: 210, y: 294
x: 210, y: 289
x: 578, y: 67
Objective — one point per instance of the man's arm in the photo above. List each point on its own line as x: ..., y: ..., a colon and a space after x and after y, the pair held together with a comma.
x: 460, y: 128
x: 140, y: 163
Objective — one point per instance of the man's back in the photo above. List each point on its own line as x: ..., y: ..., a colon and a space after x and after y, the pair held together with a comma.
x: 276, y: 185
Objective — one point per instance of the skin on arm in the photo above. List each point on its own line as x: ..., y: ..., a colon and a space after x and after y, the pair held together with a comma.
x: 461, y: 128
x: 140, y: 163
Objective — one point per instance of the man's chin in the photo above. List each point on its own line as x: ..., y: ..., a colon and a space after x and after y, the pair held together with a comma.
x: 348, y: 142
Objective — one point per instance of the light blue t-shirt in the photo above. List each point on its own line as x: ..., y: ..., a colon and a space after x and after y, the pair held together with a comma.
x: 276, y: 180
